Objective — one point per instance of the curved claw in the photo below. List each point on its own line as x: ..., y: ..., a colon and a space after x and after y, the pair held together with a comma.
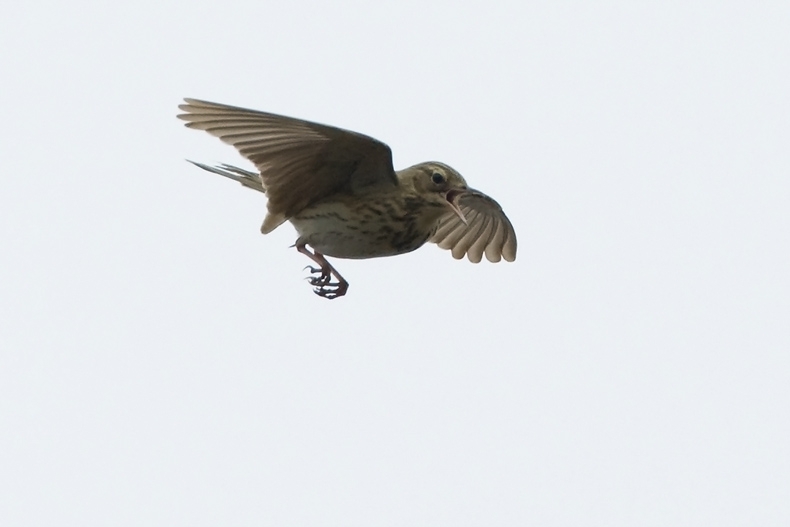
x: 323, y: 276
x: 321, y: 281
x: 332, y: 290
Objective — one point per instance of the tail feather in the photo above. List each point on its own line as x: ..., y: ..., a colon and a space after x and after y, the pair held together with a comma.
x: 245, y: 177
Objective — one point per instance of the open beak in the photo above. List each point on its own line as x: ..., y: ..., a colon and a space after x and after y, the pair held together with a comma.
x: 452, y: 197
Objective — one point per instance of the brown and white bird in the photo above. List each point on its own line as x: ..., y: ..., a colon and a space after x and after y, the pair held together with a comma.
x: 339, y: 190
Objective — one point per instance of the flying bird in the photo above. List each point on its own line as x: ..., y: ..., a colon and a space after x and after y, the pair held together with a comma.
x: 340, y: 191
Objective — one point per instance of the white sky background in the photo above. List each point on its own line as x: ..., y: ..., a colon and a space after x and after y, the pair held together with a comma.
x: 163, y: 364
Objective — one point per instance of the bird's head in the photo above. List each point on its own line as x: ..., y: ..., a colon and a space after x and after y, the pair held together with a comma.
x: 436, y: 183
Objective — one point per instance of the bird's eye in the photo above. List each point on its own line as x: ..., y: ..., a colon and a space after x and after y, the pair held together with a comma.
x: 437, y: 178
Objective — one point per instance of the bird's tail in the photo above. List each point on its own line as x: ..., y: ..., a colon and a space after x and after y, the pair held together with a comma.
x: 245, y: 177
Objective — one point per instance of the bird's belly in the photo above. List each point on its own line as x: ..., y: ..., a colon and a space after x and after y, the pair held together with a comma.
x: 339, y: 230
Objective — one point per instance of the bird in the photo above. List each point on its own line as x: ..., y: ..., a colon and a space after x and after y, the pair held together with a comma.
x: 341, y: 193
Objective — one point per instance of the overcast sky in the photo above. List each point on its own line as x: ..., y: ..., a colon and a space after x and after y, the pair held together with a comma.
x: 164, y: 364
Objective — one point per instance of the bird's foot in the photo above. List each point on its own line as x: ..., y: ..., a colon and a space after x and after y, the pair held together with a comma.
x: 322, y: 276
x: 331, y: 290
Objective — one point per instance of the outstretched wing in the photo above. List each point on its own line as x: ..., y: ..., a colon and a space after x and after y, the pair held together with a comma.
x: 300, y: 162
x: 488, y: 231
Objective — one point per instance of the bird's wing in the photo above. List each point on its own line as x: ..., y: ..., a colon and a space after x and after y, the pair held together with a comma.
x: 300, y: 162
x: 488, y: 231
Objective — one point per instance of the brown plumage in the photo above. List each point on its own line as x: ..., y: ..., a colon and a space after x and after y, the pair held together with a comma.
x: 339, y: 190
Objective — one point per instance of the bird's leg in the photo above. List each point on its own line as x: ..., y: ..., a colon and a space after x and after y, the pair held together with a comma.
x: 323, y: 286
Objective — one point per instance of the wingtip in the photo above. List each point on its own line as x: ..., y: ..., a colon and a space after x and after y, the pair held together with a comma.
x: 190, y: 101
x: 190, y: 105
